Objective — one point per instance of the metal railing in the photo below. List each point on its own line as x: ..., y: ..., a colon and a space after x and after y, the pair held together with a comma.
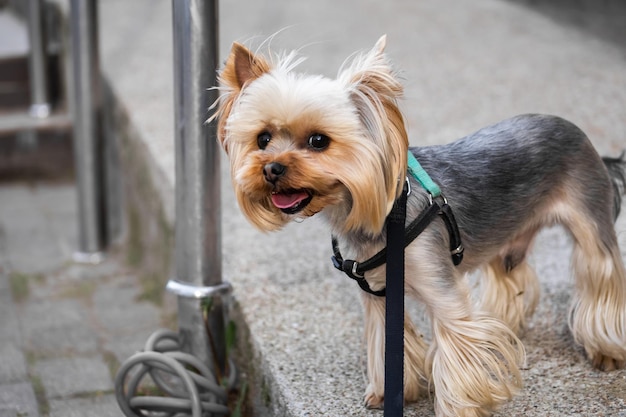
x: 38, y: 62
x: 202, y: 296
x: 39, y: 114
x: 86, y: 106
x: 198, y: 229
x: 84, y: 97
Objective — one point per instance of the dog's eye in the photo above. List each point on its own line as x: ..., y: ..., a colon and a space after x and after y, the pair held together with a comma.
x: 263, y: 139
x: 318, y: 141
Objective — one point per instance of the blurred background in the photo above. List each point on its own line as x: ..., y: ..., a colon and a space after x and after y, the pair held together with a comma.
x: 65, y: 327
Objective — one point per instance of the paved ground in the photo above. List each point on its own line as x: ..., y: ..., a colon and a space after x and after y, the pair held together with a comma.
x: 63, y: 327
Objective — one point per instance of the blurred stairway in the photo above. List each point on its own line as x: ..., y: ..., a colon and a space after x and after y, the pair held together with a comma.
x: 32, y: 146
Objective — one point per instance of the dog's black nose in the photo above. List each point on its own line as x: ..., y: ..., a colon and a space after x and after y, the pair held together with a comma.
x: 273, y: 171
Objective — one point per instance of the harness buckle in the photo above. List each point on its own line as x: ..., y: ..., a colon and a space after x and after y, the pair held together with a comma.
x: 431, y: 199
x: 458, y: 250
x: 347, y: 266
x: 457, y: 255
x: 350, y: 266
x: 355, y: 265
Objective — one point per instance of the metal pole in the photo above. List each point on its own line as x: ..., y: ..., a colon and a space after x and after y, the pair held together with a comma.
x: 198, y: 229
x: 37, y: 62
x: 87, y: 130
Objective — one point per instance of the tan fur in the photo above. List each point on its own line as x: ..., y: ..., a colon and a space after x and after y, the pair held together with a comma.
x: 474, y: 357
x: 415, y: 376
x: 598, y: 311
x: 368, y: 84
x: 473, y: 362
x: 511, y: 296
x: 374, y: 90
x: 474, y: 365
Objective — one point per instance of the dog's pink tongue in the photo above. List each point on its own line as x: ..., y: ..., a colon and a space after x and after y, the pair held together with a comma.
x: 284, y: 200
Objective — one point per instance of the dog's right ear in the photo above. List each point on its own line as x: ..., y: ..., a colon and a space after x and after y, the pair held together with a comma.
x: 242, y: 67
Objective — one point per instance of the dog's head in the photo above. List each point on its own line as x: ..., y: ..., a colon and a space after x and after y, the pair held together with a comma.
x: 301, y: 144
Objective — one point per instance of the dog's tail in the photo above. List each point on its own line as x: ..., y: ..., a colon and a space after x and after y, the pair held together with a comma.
x: 617, y: 172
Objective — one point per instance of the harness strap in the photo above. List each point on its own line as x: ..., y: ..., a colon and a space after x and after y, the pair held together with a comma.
x: 417, y: 172
x: 456, y: 247
x: 356, y: 270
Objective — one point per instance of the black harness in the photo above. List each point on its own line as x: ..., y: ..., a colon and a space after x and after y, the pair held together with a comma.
x: 356, y: 270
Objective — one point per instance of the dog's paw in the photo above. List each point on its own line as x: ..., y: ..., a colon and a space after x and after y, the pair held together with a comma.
x: 371, y: 399
x: 607, y: 363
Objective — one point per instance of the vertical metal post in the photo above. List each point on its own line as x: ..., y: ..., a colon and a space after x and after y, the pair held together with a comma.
x: 37, y: 62
x: 86, y: 107
x: 198, y: 227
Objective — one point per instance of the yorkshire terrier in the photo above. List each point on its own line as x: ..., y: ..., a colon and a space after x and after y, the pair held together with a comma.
x: 303, y: 144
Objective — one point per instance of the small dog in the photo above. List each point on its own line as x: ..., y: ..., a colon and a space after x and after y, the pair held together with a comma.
x: 304, y: 144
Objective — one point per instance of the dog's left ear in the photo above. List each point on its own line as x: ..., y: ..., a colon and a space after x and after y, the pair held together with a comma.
x: 241, y: 68
x: 374, y: 89
x: 372, y: 71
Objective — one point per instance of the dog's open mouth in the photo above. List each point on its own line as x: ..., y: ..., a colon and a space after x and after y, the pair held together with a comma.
x: 291, y: 201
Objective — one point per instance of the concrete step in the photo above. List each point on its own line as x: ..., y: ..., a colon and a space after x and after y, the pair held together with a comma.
x: 466, y: 65
x: 48, y: 155
x: 14, y: 88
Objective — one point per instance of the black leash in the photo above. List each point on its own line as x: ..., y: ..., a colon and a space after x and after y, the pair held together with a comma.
x: 394, y: 309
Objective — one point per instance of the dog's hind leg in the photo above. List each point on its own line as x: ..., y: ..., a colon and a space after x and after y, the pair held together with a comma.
x: 509, y: 286
x: 598, y: 312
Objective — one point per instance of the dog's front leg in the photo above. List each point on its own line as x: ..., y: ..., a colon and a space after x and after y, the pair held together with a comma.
x: 474, y: 357
x: 414, y: 354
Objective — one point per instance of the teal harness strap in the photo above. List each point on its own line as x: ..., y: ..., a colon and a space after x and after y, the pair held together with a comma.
x: 417, y: 172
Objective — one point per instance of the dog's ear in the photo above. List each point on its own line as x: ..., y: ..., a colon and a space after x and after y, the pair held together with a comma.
x: 241, y: 68
x: 374, y: 90
x: 372, y: 71
x: 380, y: 45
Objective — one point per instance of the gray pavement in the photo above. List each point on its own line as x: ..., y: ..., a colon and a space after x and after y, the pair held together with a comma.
x: 466, y: 64
x: 64, y: 327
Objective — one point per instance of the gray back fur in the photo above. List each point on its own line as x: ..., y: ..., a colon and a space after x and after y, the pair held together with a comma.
x: 497, y: 177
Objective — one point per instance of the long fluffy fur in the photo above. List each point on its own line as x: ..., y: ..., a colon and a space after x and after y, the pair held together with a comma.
x: 504, y: 182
